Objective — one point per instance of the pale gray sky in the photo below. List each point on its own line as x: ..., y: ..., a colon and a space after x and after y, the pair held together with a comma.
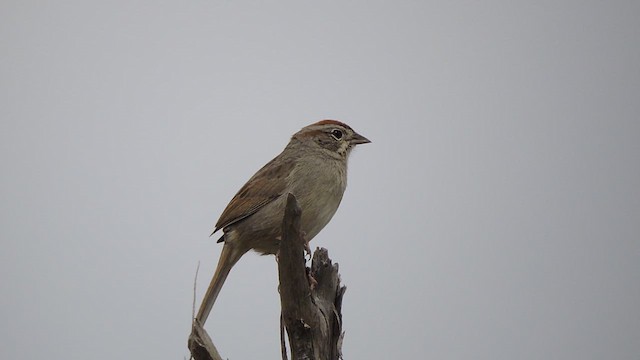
x: 496, y: 215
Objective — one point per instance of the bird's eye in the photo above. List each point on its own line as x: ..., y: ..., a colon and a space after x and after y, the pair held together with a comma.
x: 337, y: 134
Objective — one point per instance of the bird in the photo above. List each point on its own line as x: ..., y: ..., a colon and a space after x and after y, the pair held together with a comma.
x: 312, y: 167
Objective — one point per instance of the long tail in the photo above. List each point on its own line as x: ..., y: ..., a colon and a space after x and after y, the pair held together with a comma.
x: 228, y: 257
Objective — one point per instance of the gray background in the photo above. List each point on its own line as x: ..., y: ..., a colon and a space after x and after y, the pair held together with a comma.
x: 496, y: 215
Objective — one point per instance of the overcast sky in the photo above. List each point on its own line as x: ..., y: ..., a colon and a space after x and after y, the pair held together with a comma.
x: 496, y: 215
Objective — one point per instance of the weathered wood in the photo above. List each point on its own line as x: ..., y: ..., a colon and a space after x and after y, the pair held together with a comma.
x: 312, y: 314
x: 200, y: 344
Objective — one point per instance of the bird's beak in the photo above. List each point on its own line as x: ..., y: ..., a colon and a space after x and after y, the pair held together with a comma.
x: 358, y: 139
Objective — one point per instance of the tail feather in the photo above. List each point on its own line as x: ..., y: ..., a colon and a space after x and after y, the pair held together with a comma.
x: 228, y: 257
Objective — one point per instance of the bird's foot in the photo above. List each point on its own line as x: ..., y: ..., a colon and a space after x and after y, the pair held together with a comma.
x: 307, y: 248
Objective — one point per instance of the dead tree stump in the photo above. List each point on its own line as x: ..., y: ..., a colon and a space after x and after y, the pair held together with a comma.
x: 311, y: 312
x: 311, y: 299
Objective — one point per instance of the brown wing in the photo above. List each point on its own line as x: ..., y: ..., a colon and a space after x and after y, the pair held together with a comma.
x: 263, y: 187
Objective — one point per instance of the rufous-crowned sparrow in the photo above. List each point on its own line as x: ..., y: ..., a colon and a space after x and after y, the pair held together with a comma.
x: 313, y: 167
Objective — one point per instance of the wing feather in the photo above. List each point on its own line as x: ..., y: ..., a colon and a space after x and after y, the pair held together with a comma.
x: 264, y: 187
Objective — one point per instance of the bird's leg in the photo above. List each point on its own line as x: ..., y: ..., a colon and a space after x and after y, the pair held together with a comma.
x: 307, y: 249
